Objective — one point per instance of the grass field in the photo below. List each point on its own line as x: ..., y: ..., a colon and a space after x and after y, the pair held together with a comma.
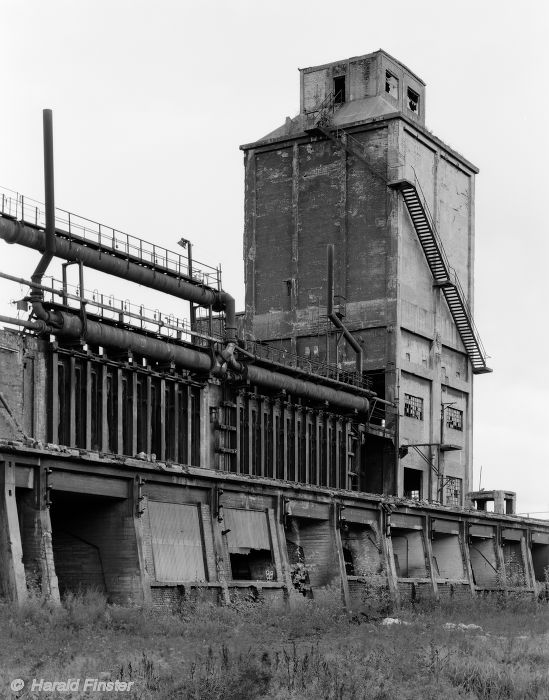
x: 254, y: 651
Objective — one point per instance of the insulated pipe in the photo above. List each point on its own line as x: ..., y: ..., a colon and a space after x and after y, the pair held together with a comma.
x: 306, y: 389
x: 334, y: 318
x: 70, y: 325
x: 17, y: 232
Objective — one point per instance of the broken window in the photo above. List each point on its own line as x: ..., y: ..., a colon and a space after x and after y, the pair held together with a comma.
x: 391, y: 84
x: 413, y: 101
x: 361, y: 550
x: 454, y: 418
x: 412, y: 484
x: 339, y: 89
x: 413, y: 406
x: 453, y: 491
x: 249, y: 544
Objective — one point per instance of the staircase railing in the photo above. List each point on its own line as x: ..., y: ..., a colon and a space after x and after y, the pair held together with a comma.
x: 452, y: 274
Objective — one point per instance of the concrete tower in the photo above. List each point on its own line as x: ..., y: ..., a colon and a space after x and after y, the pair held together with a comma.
x: 356, y: 169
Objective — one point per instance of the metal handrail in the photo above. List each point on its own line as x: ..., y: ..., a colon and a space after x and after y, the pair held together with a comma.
x: 120, y: 311
x: 29, y: 211
x: 289, y: 359
x: 452, y: 273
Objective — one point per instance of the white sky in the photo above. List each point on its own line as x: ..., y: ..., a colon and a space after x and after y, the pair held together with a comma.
x: 152, y: 99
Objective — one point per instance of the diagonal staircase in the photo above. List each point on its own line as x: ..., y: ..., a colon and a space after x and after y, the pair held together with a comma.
x: 443, y: 273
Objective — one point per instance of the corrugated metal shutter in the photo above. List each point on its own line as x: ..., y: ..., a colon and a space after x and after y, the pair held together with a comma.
x: 176, y: 542
x: 249, y: 529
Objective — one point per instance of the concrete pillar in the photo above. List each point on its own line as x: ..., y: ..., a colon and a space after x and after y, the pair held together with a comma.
x: 13, y: 585
x: 278, y: 529
x: 36, y: 540
x: 144, y: 579
x: 499, y: 501
x: 429, y: 556
x: 389, y: 559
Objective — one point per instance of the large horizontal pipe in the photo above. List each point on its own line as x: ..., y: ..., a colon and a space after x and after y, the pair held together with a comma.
x: 306, y: 389
x: 111, y: 337
x: 16, y: 232
x: 70, y: 325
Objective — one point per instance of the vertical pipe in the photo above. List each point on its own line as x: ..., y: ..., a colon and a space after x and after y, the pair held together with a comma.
x: 49, y: 181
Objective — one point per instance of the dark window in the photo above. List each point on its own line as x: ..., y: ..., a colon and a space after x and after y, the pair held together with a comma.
x: 339, y: 89
x: 391, y: 84
x: 127, y: 414
x: 453, y: 491
x: 195, y: 426
x: 412, y: 484
x: 413, y: 406
x: 312, y: 452
x: 112, y: 410
x: 169, y: 421
x: 454, y: 418
x: 413, y: 101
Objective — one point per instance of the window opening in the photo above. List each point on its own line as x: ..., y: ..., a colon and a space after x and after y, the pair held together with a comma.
x: 413, y: 406
x: 413, y: 101
x: 453, y: 491
x: 454, y: 418
x: 412, y: 484
x: 339, y: 89
x: 391, y: 84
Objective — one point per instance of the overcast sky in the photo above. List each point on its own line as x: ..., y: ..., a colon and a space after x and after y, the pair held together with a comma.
x: 152, y: 99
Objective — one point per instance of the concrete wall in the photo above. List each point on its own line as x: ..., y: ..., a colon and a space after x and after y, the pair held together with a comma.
x: 23, y: 386
x: 108, y: 543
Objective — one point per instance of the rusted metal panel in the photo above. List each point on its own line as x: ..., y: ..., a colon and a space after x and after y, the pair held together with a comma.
x: 309, y: 509
x: 449, y: 527
x: 513, y: 534
x: 175, y: 493
x: 360, y: 515
x: 84, y: 483
x: 482, y: 531
x: 540, y: 537
x: 248, y: 529
x: 177, y: 546
x: 407, y: 522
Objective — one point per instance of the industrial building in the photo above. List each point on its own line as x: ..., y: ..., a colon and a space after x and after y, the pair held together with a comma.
x: 318, y: 441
